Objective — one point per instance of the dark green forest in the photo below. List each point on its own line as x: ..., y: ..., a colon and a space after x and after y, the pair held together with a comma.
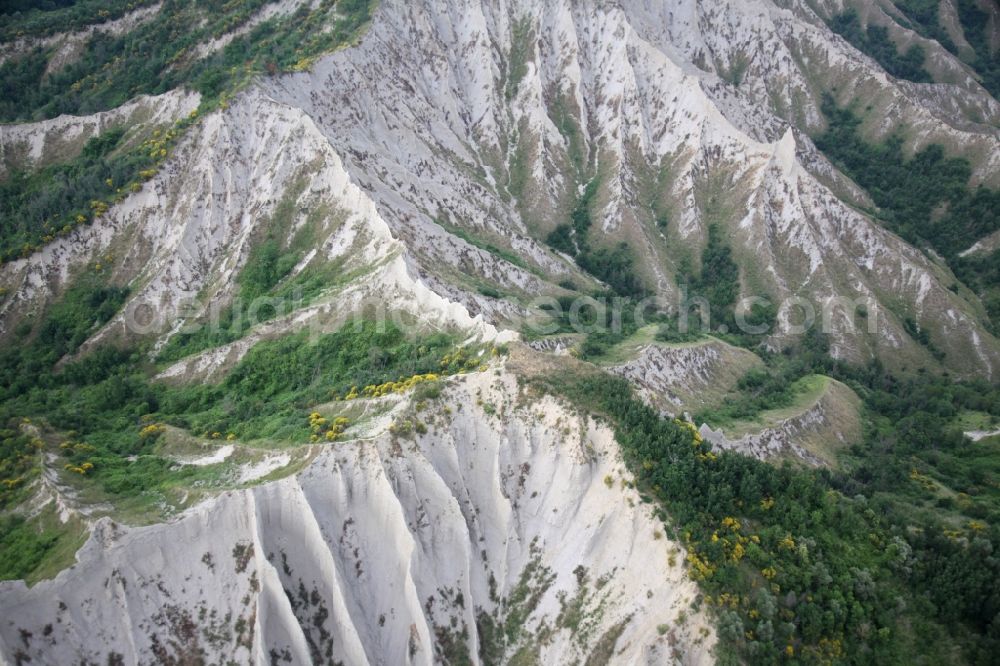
x: 38, y: 18
x: 925, y: 198
x: 858, y: 565
x: 38, y: 205
x: 987, y: 61
x: 924, y: 17
x: 159, y: 55
x: 718, y: 282
x: 875, y: 42
x: 614, y: 265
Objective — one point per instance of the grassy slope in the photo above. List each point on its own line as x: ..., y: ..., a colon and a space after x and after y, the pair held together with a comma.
x: 117, y: 433
x: 158, y: 55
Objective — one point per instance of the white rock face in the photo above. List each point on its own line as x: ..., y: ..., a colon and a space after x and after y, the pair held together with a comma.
x: 979, y: 435
x: 675, y: 378
x: 427, y: 119
x: 33, y: 145
x: 391, y: 550
x: 482, y: 116
x: 182, y: 241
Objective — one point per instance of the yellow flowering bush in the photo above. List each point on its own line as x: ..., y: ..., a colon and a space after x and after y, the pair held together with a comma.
x: 152, y: 430
x: 381, y: 390
x: 323, y: 429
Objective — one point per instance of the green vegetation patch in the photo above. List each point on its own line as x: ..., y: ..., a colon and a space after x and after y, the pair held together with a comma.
x: 925, y: 198
x: 100, y: 418
x: 34, y: 18
x: 503, y: 632
x: 36, y: 206
x: 925, y: 17
x: 38, y: 548
x: 521, y: 53
x: 614, y: 265
x: 160, y: 54
x: 780, y: 384
x: 113, y: 409
x: 981, y: 272
x: 910, y: 192
x: 22, y: 546
x: 269, y: 262
x: 609, y: 350
x: 986, y: 62
x: 605, y: 321
x: 764, y: 398
x: 821, y: 566
x: 875, y: 42
x: 717, y: 284
x: 19, y: 455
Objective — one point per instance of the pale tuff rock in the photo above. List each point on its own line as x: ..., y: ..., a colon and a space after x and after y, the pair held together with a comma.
x: 253, y: 471
x: 561, y: 345
x: 985, y: 245
x: 69, y: 45
x: 785, y: 57
x: 431, y: 123
x: 428, y: 121
x: 768, y: 444
x: 979, y: 435
x: 388, y: 550
x: 214, y: 458
x: 33, y: 145
x: 687, y: 377
x: 185, y: 237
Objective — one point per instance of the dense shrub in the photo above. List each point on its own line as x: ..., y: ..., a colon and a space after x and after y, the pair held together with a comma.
x: 615, y: 265
x: 36, y: 206
x: 986, y: 62
x: 22, y: 546
x: 157, y: 55
x: 924, y: 16
x: 718, y: 283
x: 875, y: 42
x: 38, y: 18
x: 925, y: 198
x: 106, y: 398
x: 814, y: 566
